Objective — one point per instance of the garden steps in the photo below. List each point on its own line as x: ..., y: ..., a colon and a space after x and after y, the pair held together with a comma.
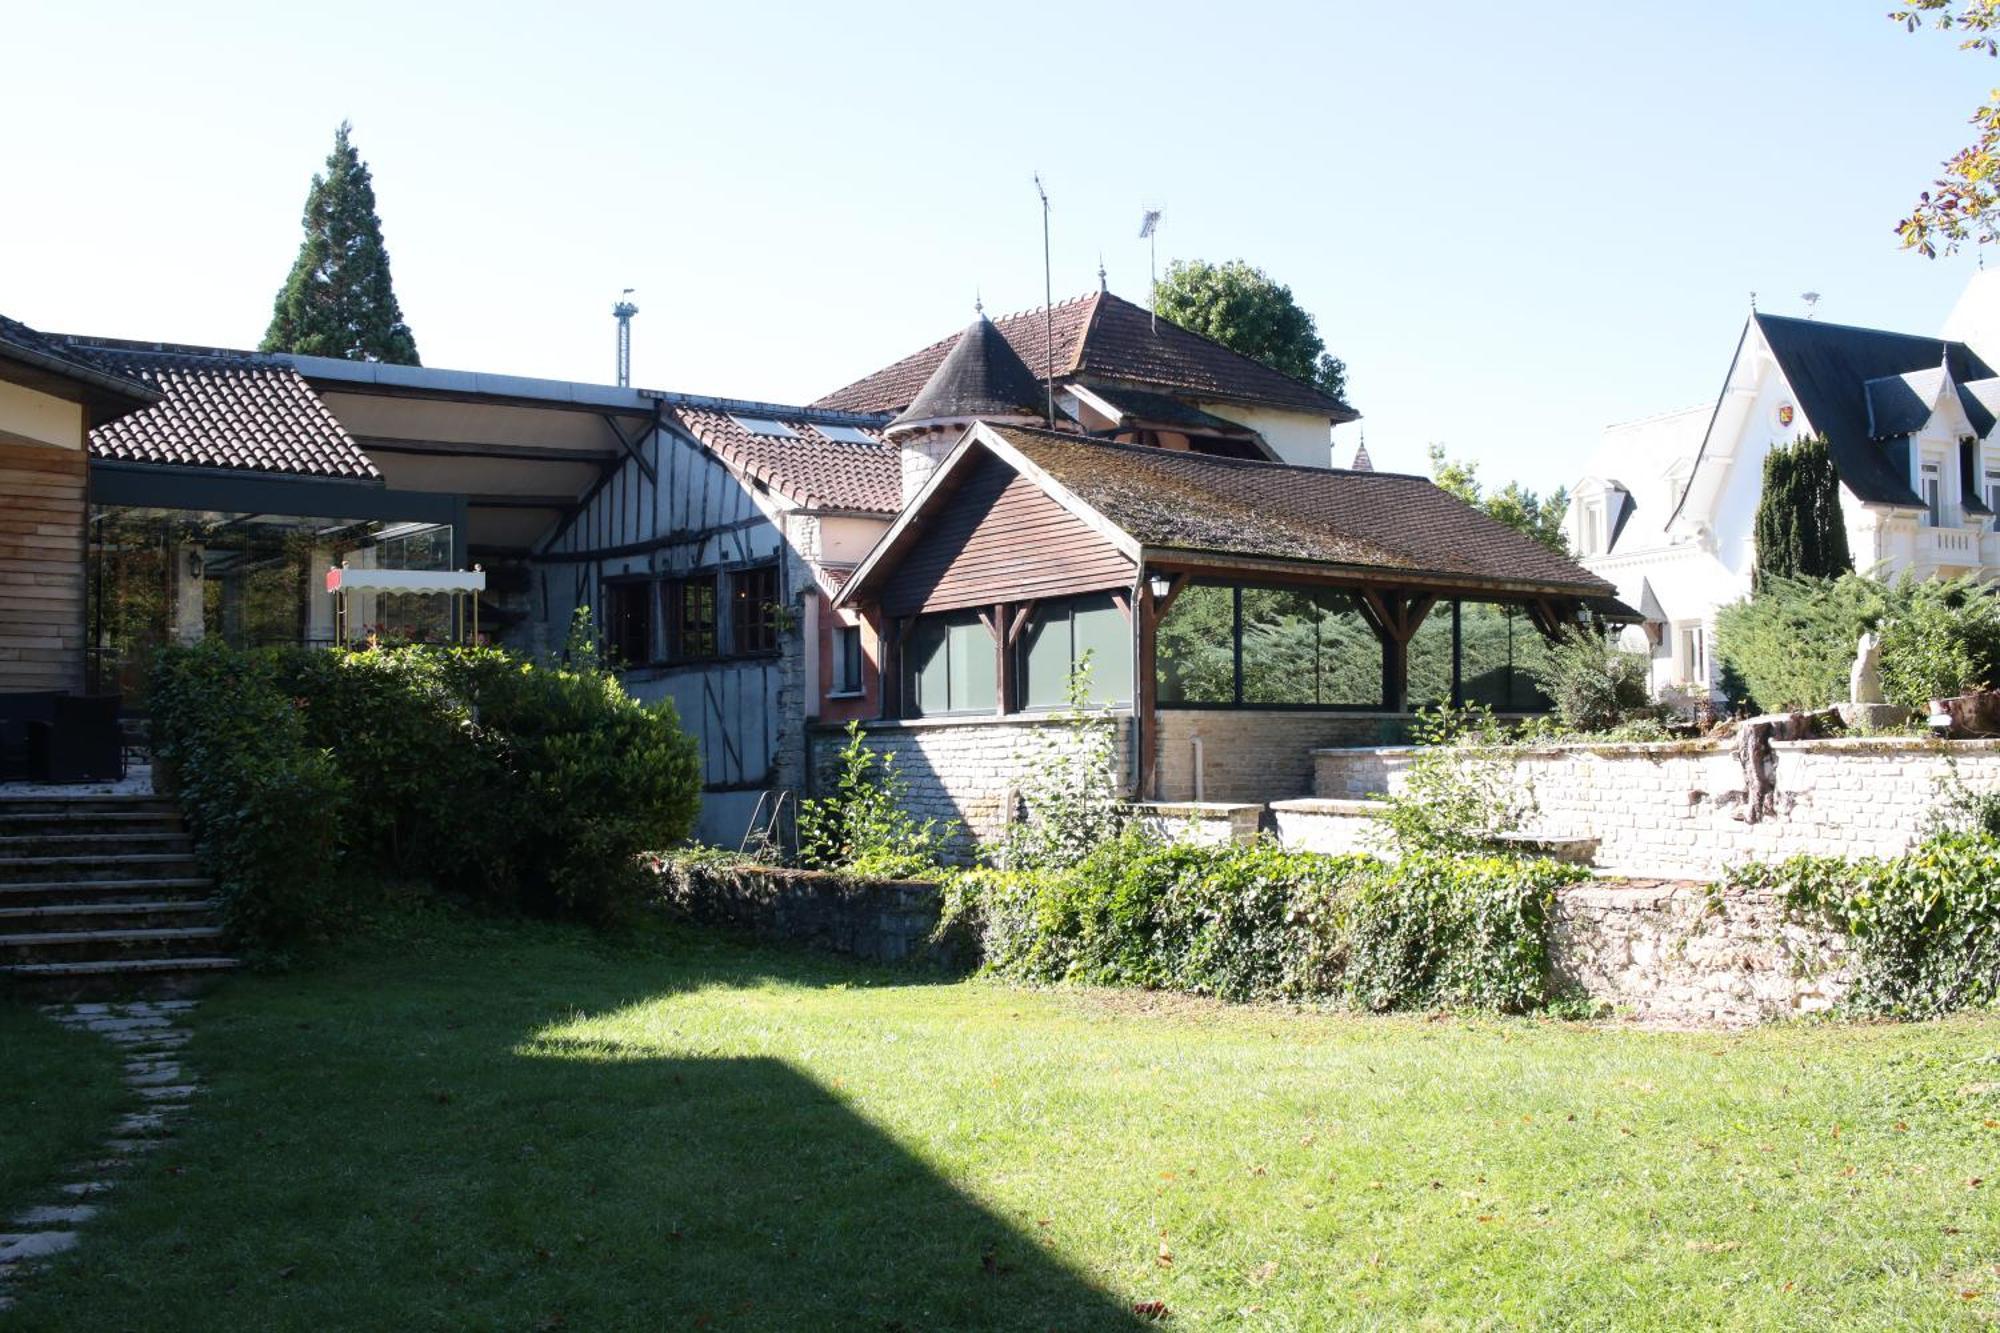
x: 101, y: 896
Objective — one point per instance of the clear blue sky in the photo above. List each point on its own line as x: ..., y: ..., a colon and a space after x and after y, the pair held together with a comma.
x: 1516, y: 223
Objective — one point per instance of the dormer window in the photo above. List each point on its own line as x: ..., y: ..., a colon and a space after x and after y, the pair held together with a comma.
x: 1933, y: 493
x: 1598, y: 505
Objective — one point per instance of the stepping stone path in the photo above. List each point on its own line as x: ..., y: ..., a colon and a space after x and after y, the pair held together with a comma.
x: 150, y: 1034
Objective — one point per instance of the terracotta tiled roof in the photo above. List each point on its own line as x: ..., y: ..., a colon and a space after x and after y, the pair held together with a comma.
x: 808, y: 469
x: 223, y: 409
x: 1105, y: 337
x: 1194, y: 503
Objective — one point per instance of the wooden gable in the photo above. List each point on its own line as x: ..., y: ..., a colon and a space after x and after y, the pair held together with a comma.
x: 999, y: 537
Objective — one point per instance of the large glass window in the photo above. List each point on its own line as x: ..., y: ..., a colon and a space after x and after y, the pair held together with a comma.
x: 628, y: 620
x: 1195, y: 646
x: 949, y: 667
x: 1429, y: 660
x: 1497, y: 644
x: 1060, y: 636
x: 1311, y: 647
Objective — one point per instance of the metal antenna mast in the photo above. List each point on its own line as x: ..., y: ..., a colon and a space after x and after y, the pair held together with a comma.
x: 1149, y: 229
x: 624, y: 310
x: 1048, y: 304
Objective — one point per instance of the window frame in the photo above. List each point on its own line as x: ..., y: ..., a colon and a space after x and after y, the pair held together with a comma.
x: 1039, y: 622
x: 767, y: 622
x: 908, y: 704
x: 1236, y: 702
x: 847, y: 682
x: 676, y: 590
x: 646, y: 589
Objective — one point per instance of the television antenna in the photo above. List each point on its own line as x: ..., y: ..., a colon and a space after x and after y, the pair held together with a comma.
x: 1149, y: 228
x: 1048, y: 304
x: 624, y: 311
x: 1812, y: 303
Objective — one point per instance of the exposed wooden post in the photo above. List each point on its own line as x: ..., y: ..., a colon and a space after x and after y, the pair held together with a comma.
x: 1397, y: 619
x: 996, y: 621
x: 1145, y: 690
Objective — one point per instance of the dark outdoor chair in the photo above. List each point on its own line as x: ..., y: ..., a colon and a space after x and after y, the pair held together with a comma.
x: 82, y: 743
x: 18, y: 713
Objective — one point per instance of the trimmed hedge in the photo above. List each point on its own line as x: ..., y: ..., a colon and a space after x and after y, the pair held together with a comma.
x: 470, y: 770
x: 1257, y: 921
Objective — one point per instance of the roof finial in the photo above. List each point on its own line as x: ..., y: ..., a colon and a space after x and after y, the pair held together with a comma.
x: 1753, y: 301
x: 1102, y: 285
x: 978, y: 303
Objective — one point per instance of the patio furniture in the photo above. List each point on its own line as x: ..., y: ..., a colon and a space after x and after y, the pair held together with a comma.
x: 81, y: 742
x: 18, y: 713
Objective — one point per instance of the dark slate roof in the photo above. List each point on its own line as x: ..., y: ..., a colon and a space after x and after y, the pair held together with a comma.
x: 1981, y: 399
x: 980, y: 377
x: 20, y: 343
x: 810, y: 469
x: 1104, y: 338
x: 1203, y: 505
x: 1899, y: 404
x: 1829, y: 367
x: 223, y: 409
x: 1159, y: 409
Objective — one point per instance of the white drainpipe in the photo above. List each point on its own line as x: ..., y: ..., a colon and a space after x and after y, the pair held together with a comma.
x: 1195, y: 741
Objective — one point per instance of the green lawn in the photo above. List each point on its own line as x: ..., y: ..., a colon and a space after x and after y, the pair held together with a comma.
x: 60, y: 1093
x: 520, y: 1128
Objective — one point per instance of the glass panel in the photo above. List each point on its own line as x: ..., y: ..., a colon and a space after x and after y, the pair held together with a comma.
x: 1350, y: 655
x: 1430, y: 659
x: 975, y: 682
x: 1196, y: 647
x: 1102, y: 631
x: 1531, y: 649
x: 929, y: 669
x: 1281, y: 648
x: 1485, y: 654
x: 1047, y: 653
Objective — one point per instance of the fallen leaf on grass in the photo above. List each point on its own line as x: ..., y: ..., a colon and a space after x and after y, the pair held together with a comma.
x: 1970, y: 1295
x: 1975, y: 1182
x: 1150, y: 1309
x: 1263, y: 1272
x: 1166, y: 1258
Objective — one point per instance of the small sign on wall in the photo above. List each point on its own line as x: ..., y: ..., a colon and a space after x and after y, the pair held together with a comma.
x: 1786, y: 413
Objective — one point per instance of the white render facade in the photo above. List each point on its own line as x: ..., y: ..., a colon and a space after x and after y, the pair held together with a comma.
x: 1667, y: 505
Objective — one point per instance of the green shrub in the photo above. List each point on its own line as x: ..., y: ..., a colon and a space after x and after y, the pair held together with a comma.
x: 264, y: 805
x: 1924, y: 927
x: 1070, y: 790
x: 861, y: 828
x: 1594, y: 685
x: 1460, y: 792
x: 468, y: 769
x: 1791, y: 645
x: 1257, y: 921
x: 1942, y: 638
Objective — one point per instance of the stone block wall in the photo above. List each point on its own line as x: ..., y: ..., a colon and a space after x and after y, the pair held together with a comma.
x: 1685, y: 952
x: 1678, y: 809
x: 967, y: 770
x: 1251, y: 755
x: 888, y: 921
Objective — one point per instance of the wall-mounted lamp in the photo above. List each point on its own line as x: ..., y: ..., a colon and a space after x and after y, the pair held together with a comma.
x: 196, y: 565
x: 1160, y: 585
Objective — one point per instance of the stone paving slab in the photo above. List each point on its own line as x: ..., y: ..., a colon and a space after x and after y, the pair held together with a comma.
x: 150, y: 1040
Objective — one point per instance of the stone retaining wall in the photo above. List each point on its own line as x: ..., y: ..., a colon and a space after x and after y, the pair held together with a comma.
x: 1253, y: 755
x: 1686, y: 952
x: 1660, y: 950
x: 885, y: 921
x: 1678, y: 809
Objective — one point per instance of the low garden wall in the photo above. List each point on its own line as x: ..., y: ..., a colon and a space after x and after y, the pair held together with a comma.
x: 1658, y: 950
x: 1249, y: 754
x: 1680, y: 809
x: 884, y: 921
x: 966, y: 770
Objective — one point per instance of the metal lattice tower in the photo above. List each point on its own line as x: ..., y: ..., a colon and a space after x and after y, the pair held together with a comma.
x: 624, y: 310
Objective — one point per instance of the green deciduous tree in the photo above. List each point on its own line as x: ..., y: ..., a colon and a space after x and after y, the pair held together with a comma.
x: 1799, y: 529
x: 1244, y: 309
x: 1964, y: 203
x: 1532, y: 515
x: 338, y: 300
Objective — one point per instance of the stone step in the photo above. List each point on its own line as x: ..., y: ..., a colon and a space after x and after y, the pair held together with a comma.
x: 72, y: 845
x: 44, y: 803
x: 31, y: 893
x: 38, y: 869
x: 57, y: 946
x: 109, y: 915
x: 89, y: 821
x: 124, y: 976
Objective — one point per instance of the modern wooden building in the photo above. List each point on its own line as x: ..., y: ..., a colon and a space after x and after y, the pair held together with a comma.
x: 51, y: 397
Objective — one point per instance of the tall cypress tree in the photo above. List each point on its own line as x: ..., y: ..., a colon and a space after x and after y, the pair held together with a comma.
x: 338, y: 300
x: 1799, y: 529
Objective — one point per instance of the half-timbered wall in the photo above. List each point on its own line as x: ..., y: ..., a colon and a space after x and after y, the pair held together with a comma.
x: 674, y: 511
x: 1001, y: 539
